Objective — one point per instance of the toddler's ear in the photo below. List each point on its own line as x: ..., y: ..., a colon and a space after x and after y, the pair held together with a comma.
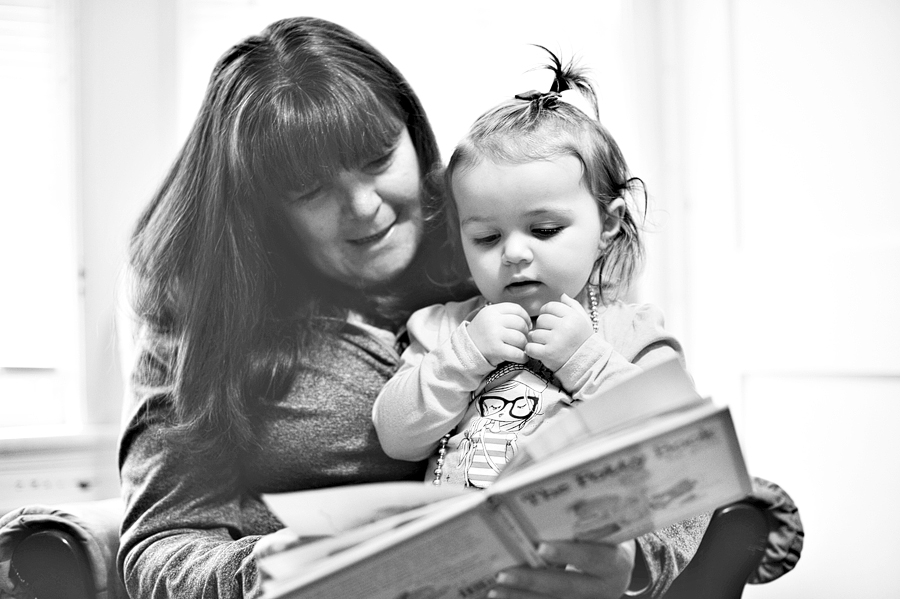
x: 612, y: 221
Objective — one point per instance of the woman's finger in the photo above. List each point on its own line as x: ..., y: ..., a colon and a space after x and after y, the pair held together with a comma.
x: 611, y: 564
x: 552, y: 583
x: 599, y: 559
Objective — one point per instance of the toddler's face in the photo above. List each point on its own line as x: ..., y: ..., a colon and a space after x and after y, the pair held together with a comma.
x: 530, y: 231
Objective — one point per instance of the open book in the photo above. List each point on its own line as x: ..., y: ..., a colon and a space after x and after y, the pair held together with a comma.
x: 648, y: 453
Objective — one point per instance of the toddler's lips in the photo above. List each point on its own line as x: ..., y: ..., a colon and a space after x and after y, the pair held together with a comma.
x: 522, y: 288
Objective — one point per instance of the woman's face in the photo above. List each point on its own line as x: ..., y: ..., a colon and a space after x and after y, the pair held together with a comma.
x: 364, y: 226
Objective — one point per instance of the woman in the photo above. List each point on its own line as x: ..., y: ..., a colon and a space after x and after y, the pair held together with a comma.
x: 293, y: 235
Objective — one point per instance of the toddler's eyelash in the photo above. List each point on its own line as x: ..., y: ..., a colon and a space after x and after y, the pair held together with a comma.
x: 486, y: 240
x: 545, y: 232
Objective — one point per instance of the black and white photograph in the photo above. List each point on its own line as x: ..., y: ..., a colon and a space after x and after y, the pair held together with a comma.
x: 332, y: 299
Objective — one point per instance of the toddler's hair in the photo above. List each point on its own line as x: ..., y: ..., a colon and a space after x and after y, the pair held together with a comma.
x: 543, y: 126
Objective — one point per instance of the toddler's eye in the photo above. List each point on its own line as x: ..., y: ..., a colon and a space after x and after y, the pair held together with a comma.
x: 546, y: 232
x: 486, y: 240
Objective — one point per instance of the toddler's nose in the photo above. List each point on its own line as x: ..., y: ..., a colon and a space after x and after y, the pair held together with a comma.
x: 516, y: 250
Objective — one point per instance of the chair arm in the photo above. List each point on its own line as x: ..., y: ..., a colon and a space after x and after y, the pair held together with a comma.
x: 46, y: 546
x: 754, y: 540
x: 728, y: 554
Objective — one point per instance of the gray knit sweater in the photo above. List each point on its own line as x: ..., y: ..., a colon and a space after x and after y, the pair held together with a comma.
x: 191, y: 522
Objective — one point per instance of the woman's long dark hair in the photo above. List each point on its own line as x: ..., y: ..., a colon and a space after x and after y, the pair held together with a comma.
x: 217, y: 269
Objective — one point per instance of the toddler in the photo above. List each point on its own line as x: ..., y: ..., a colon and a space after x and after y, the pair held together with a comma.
x: 539, y: 195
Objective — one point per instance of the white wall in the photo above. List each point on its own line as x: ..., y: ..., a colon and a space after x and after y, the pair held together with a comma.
x: 779, y: 149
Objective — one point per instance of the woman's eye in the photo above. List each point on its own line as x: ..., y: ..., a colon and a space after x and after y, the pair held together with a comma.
x: 307, y: 196
x: 380, y: 164
x: 546, y: 232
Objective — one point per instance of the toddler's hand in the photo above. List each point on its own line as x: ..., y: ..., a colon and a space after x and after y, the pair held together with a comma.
x: 560, y: 329
x: 500, y: 332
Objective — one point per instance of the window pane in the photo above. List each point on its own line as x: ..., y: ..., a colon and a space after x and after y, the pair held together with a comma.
x: 39, y: 381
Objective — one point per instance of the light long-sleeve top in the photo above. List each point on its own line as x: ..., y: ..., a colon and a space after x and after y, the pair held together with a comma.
x: 440, y: 386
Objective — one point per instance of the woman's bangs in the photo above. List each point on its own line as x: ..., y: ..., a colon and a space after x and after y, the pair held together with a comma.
x: 314, y: 139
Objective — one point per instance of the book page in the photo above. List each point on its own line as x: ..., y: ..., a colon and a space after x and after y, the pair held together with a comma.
x: 630, y: 484
x: 455, y: 553
x: 329, y: 511
x: 287, y: 562
x: 664, y: 388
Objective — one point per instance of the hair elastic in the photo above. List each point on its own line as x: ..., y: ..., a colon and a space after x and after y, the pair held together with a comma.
x: 572, y: 97
x: 569, y: 86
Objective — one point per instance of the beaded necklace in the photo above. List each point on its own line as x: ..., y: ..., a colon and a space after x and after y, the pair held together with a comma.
x: 442, y: 448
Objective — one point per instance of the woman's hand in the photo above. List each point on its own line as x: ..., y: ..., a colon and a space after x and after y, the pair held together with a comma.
x: 597, y: 571
x: 559, y: 331
x: 7, y: 588
x: 500, y: 332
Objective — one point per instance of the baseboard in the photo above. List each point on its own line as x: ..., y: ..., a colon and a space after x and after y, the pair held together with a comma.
x: 58, y: 469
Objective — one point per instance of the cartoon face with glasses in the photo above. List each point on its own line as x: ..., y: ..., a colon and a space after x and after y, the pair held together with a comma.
x: 509, y: 403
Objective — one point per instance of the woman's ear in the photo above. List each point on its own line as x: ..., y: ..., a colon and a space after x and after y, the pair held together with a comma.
x: 611, y: 218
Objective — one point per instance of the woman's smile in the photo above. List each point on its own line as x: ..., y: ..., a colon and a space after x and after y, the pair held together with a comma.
x: 377, y: 234
x: 374, y: 237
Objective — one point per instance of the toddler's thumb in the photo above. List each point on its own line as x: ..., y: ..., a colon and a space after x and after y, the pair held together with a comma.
x: 564, y: 298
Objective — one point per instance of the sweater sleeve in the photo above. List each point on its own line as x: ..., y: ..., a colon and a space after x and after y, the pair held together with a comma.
x: 182, y: 533
x: 668, y: 551
x: 429, y: 394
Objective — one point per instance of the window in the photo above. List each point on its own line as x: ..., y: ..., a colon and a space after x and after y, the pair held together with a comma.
x: 40, y: 351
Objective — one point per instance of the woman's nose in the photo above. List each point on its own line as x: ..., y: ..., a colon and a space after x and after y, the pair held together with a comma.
x: 361, y: 199
x: 516, y: 250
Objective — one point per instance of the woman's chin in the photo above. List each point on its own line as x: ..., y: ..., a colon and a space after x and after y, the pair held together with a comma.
x: 383, y: 268
x: 380, y: 276
x: 393, y: 260
x: 383, y: 261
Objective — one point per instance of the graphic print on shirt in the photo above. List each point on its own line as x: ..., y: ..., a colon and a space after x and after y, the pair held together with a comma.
x: 509, y: 403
